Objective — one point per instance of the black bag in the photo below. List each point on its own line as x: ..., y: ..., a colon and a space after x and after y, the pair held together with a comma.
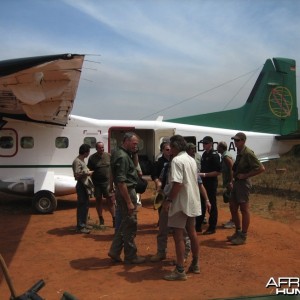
x: 226, y: 196
x: 141, y: 185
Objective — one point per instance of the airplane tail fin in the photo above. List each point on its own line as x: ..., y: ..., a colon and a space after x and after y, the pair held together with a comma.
x: 271, y: 106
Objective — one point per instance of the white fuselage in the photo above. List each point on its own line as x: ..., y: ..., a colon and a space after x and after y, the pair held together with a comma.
x: 46, y: 164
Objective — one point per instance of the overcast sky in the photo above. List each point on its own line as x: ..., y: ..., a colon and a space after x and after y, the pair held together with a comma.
x: 149, y: 57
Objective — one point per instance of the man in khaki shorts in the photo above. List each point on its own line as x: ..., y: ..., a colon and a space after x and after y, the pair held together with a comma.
x: 183, y: 205
x: 246, y: 166
x: 99, y: 162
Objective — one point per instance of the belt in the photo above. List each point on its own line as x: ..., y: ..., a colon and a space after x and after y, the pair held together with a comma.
x: 130, y: 187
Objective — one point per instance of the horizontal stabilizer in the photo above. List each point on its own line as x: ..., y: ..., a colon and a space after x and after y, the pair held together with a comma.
x: 289, y: 137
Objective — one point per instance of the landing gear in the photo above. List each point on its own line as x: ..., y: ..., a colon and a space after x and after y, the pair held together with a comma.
x: 44, y: 202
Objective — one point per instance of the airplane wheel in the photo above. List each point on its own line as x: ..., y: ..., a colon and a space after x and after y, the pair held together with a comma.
x: 44, y: 202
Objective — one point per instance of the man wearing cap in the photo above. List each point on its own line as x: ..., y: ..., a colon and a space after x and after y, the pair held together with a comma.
x: 210, y: 170
x: 246, y: 165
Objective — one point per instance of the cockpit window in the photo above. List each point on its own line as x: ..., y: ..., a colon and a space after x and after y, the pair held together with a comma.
x: 6, y: 142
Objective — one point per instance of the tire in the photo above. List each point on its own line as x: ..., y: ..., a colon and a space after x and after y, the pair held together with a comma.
x: 44, y: 202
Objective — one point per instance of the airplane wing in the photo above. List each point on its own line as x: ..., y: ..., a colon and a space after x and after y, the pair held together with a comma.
x: 289, y: 137
x: 40, y: 88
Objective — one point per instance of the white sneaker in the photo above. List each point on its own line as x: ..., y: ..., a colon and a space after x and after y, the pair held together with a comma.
x: 139, y: 202
x: 175, y: 275
x: 229, y: 225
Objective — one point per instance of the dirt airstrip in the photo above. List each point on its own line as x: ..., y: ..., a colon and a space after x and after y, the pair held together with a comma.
x: 47, y: 247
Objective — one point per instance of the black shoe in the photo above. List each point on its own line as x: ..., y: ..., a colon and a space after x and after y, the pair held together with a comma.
x: 198, y: 229
x: 115, y: 258
x: 101, y: 220
x: 209, y: 231
x: 137, y: 260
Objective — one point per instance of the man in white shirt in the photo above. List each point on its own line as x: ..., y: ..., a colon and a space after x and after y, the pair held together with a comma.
x: 183, y: 206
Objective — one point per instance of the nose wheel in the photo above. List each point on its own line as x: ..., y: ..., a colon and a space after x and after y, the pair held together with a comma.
x: 44, y: 202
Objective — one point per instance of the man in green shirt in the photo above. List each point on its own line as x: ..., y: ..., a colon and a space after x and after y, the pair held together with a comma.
x: 125, y: 179
x: 84, y: 188
x: 227, y: 176
x: 99, y: 162
x: 246, y: 165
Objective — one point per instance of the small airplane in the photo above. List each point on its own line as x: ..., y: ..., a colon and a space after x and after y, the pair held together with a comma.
x: 39, y: 138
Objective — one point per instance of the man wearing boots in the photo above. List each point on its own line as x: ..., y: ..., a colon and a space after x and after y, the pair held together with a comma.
x: 99, y: 162
x: 125, y: 178
x: 246, y: 165
x: 183, y: 206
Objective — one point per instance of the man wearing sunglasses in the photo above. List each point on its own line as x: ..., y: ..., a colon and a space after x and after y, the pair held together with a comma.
x: 246, y: 165
x: 159, y: 176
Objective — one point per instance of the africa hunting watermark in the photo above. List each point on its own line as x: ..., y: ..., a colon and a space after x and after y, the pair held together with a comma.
x: 285, y: 285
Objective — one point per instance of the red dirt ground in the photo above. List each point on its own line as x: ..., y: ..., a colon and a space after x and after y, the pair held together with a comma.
x: 47, y: 247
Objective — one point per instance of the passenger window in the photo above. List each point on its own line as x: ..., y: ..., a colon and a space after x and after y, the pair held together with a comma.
x: 61, y: 142
x: 6, y: 142
x: 27, y: 142
x: 90, y: 141
x: 141, y: 145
